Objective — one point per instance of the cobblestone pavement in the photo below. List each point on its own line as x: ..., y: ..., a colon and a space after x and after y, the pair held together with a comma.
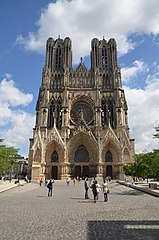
x: 27, y: 213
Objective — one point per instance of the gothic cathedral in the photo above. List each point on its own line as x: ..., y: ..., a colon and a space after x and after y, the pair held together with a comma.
x: 81, y: 124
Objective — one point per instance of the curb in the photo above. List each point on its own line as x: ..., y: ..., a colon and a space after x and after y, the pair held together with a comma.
x: 5, y: 189
x: 148, y: 191
x: 14, y: 186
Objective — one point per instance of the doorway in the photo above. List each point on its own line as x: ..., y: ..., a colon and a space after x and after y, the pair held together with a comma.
x: 85, y: 171
x: 77, y: 171
x: 54, y: 172
x: 109, y: 171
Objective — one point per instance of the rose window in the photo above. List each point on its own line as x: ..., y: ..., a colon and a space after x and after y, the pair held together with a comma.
x: 81, y: 154
x: 81, y: 111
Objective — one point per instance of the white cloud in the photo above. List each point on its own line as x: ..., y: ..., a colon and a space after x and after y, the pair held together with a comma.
x: 82, y: 20
x: 153, y: 78
x: 128, y: 73
x: 144, y: 114
x: 12, y: 95
x: 15, y: 123
x: 20, y: 129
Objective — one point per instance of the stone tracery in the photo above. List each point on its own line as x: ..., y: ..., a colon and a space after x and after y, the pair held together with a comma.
x: 78, y: 113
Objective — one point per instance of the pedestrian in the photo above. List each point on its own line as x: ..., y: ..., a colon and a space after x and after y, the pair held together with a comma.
x: 109, y: 178
x: 94, y: 190
x: 86, y: 187
x: 74, y: 181
x: 105, y: 189
x: 26, y: 178
x: 50, y: 187
x: 68, y: 181
x: 41, y: 181
x: 98, y: 189
x: 92, y: 180
x: 78, y: 179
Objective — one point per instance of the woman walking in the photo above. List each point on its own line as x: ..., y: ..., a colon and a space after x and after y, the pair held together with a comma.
x: 105, y: 190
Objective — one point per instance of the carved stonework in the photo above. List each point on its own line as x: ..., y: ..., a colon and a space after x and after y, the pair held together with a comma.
x: 54, y: 136
x: 81, y: 115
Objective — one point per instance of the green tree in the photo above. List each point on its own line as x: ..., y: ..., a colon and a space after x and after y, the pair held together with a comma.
x: 155, y: 164
x: 140, y: 167
x: 156, y: 135
x: 145, y: 165
x: 7, y: 157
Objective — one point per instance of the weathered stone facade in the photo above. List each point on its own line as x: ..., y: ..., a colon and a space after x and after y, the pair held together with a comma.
x: 81, y: 115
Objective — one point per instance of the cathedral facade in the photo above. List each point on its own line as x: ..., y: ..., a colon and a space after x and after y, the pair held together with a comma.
x: 81, y: 124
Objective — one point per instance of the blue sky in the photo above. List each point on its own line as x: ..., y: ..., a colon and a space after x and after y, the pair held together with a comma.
x: 26, y: 25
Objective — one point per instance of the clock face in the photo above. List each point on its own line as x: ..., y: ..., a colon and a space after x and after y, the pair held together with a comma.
x: 81, y: 111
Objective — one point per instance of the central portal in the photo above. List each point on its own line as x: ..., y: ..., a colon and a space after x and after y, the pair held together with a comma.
x: 54, y: 172
x: 85, y: 171
x: 82, y: 171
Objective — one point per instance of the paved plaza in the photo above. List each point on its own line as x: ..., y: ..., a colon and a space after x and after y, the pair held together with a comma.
x: 27, y: 213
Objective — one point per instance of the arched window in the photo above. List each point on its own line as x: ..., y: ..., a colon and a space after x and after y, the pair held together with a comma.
x: 58, y: 57
x: 108, y: 156
x: 111, y: 112
x: 54, y: 157
x: 51, y: 114
x: 59, y: 113
x: 104, y: 57
x: 104, y: 112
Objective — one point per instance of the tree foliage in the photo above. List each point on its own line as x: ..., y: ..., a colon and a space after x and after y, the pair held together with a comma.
x: 145, y: 165
x: 156, y: 135
x: 7, y: 157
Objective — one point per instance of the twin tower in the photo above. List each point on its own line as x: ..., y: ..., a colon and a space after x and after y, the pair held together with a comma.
x: 81, y: 127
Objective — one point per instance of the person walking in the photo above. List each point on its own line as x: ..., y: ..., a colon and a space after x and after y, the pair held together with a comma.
x: 98, y: 189
x: 105, y: 189
x: 50, y: 187
x: 86, y: 187
x: 41, y: 181
x: 94, y: 190
x: 74, y: 181
x: 68, y: 181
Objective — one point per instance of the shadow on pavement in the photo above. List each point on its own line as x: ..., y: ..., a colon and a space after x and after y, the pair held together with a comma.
x: 123, y: 230
x: 131, y: 192
x: 77, y: 198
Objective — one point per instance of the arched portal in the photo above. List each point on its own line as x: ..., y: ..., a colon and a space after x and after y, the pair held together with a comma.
x: 54, y: 159
x: 83, y: 155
